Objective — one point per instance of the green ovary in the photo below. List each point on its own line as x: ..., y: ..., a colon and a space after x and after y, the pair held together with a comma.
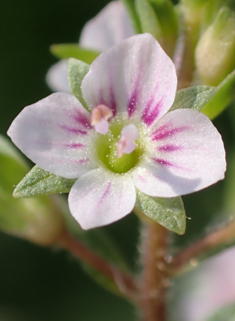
x: 106, y: 147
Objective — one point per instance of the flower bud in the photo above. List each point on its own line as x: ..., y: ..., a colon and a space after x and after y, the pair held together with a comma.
x: 38, y: 219
x: 215, y: 49
x: 211, y: 10
x: 194, y: 4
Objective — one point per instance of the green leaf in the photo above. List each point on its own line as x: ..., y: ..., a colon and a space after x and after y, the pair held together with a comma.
x: 130, y: 7
x: 168, y: 212
x: 224, y: 96
x: 193, y: 97
x: 225, y: 314
x: 73, y: 50
x: 148, y: 19
x: 77, y: 70
x: 40, y: 182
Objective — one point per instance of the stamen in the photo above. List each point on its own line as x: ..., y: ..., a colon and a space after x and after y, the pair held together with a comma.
x: 127, y: 142
x: 99, y: 118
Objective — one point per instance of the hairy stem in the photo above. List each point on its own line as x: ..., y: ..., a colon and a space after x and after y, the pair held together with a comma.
x: 220, y: 238
x: 154, y: 278
x: 124, y: 281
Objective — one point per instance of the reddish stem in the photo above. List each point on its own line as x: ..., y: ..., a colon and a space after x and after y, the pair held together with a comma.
x: 123, y: 280
x: 154, y: 278
x: 220, y: 237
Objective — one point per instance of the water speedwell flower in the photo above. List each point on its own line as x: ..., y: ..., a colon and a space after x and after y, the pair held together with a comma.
x: 109, y: 27
x: 129, y: 89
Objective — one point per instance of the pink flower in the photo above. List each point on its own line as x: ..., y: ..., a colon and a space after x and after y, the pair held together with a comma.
x: 142, y: 146
x: 105, y: 30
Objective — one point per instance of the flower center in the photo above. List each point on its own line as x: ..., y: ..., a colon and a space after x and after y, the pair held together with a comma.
x: 120, y: 149
x: 99, y: 118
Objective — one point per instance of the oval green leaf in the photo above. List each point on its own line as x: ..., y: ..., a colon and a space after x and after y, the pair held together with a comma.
x: 193, y: 97
x: 77, y: 70
x: 40, y: 182
x: 168, y: 212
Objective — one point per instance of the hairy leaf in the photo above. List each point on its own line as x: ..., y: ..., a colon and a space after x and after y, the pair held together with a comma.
x: 77, y: 70
x: 193, y: 97
x: 40, y: 182
x: 168, y: 212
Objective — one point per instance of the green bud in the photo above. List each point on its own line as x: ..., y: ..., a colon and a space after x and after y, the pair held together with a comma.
x: 194, y: 4
x: 37, y: 220
x: 211, y: 10
x: 216, y: 48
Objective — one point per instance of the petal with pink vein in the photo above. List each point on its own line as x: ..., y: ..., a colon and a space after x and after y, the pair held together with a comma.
x: 99, y: 198
x: 55, y: 133
x: 185, y: 154
x: 135, y: 77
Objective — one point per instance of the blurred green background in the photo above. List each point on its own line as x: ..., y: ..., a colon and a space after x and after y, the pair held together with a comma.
x: 40, y: 284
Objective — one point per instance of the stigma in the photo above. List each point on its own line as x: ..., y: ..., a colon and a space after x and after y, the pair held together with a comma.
x: 99, y: 118
x: 126, y: 145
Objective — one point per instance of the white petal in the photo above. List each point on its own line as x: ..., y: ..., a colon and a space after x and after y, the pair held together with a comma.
x: 108, y: 28
x: 99, y: 198
x: 55, y: 133
x: 135, y: 77
x: 186, y: 154
x: 57, y: 77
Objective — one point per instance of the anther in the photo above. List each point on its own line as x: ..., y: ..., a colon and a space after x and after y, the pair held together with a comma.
x: 99, y: 118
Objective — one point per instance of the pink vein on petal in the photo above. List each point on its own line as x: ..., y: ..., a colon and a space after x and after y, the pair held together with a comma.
x: 72, y: 161
x: 132, y: 103
x: 164, y: 132
x: 101, y: 98
x: 74, y: 145
x: 131, y: 106
x: 112, y: 102
x: 141, y: 178
x: 82, y: 120
x: 163, y: 162
x: 74, y: 130
x: 169, y: 148
x: 105, y: 194
x: 150, y: 114
x: 80, y: 161
x: 113, y: 106
x: 57, y: 144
